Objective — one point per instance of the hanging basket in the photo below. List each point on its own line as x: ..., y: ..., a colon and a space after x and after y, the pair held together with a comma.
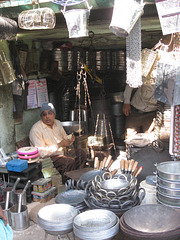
x: 125, y: 15
x: 35, y: 19
x: 77, y: 21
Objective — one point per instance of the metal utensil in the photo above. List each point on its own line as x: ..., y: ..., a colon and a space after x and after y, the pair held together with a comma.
x: 7, y: 200
x: 15, y: 184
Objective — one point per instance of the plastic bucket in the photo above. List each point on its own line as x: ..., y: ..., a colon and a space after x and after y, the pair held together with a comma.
x: 20, y: 221
x: 125, y: 15
x: 6, y: 212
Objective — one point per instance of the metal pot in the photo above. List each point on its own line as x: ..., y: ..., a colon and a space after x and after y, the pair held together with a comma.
x: 167, y: 183
x: 169, y: 170
x: 168, y: 200
x: 168, y: 191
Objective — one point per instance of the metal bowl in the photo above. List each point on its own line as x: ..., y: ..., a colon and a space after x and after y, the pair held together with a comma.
x: 114, y: 184
x: 105, y: 234
x: 132, y: 234
x: 169, y: 170
x: 57, y: 217
x: 152, y: 218
x: 94, y: 220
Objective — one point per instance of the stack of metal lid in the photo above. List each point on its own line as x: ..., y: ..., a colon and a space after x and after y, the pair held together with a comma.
x: 96, y: 224
x: 57, y: 219
x: 168, y: 183
x: 151, y: 221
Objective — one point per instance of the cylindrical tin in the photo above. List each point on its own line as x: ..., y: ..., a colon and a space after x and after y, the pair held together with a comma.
x: 20, y: 221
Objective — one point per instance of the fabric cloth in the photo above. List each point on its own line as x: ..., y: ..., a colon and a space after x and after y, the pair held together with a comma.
x: 143, y: 98
x: 47, y: 106
x: 66, y: 163
x: 46, y: 139
x: 6, y: 232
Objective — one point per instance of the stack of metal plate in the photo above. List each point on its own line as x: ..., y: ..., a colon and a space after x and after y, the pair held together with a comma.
x: 96, y: 225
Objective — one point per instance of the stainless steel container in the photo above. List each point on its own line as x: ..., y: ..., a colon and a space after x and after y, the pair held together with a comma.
x: 20, y: 221
x: 169, y: 170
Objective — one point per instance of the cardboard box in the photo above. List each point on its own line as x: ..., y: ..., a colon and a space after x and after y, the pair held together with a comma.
x: 17, y: 165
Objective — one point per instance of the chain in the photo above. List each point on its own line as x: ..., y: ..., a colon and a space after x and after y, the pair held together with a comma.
x: 133, y: 56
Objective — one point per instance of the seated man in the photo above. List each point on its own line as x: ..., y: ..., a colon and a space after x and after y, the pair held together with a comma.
x: 49, y: 136
x: 140, y: 109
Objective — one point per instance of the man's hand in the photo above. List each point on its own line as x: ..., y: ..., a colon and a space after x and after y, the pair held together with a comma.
x: 64, y: 143
x: 126, y: 109
x: 2, y: 216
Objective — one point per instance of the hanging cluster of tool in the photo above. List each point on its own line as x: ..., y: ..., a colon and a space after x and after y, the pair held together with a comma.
x: 126, y: 166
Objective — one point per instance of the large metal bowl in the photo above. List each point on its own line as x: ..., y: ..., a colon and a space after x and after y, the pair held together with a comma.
x: 57, y: 217
x: 169, y: 170
x: 105, y: 234
x: 95, y: 220
x: 152, y: 218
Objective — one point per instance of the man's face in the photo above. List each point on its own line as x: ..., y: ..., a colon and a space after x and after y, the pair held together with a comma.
x: 48, y: 117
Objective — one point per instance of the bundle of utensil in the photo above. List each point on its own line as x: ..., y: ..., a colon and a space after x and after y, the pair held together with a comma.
x: 126, y: 166
x: 105, y: 164
x: 130, y: 167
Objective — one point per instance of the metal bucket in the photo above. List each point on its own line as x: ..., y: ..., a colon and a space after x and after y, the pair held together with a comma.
x: 77, y: 21
x: 20, y: 221
x: 17, y: 196
x: 6, y: 212
x: 125, y: 15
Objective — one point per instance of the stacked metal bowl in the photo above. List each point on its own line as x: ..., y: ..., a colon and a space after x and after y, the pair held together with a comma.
x: 117, y: 193
x: 168, y: 183
x: 96, y: 224
x: 57, y: 219
x: 151, y: 221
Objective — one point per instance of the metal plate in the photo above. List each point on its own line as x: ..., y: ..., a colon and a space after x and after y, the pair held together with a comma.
x: 152, y: 218
x: 72, y: 197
